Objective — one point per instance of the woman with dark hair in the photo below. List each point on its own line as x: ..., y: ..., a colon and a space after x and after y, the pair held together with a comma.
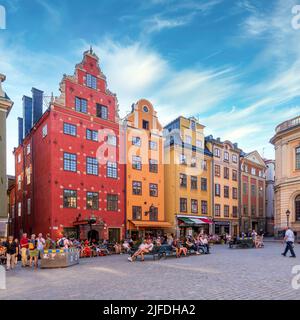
x: 11, y: 251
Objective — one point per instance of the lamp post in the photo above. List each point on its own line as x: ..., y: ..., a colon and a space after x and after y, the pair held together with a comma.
x: 288, y: 217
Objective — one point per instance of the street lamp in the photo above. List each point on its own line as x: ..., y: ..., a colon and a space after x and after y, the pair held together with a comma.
x: 288, y: 217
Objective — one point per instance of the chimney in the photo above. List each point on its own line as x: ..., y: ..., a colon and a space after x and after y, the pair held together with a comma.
x: 27, y: 115
x: 20, y: 126
x: 235, y: 145
x: 37, y: 105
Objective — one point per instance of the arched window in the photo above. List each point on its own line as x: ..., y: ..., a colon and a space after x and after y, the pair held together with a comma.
x: 297, y: 208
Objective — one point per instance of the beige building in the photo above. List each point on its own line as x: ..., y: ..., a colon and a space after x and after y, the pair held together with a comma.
x: 287, y: 175
x: 5, y: 106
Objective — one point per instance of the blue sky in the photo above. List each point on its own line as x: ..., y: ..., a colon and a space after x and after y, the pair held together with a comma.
x: 233, y: 64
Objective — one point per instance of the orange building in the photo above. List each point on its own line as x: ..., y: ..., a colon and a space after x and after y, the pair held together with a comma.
x: 144, y: 172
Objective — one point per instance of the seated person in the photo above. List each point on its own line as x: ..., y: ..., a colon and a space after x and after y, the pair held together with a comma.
x: 191, y: 245
x: 180, y: 249
x: 145, y: 247
x: 118, y: 248
x: 86, y: 250
x: 204, y: 243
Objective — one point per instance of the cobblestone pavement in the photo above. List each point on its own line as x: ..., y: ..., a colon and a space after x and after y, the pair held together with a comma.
x: 225, y: 274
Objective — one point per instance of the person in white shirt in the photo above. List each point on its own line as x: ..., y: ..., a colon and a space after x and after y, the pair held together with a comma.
x: 289, y: 239
x: 145, y: 247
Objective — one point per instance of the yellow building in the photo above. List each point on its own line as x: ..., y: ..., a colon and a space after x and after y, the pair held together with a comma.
x: 226, y: 190
x: 188, y: 185
x: 144, y: 172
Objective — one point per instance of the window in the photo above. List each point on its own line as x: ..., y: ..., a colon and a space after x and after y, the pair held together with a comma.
x: 297, y: 208
x: 234, y: 158
x: 188, y: 139
x: 70, y: 129
x: 44, y: 131
x: 153, y: 214
x: 92, y: 135
x: 226, y: 173
x: 234, y: 193
x: 217, y: 170
x: 91, y: 166
x: 153, y: 189
x: 28, y: 175
x: 194, y: 183
x: 19, y: 209
x: 112, y: 140
x: 28, y: 149
x: 226, y: 156
x: 112, y: 202
x: 253, y: 171
x: 253, y: 190
x: 136, y: 163
x: 217, y: 152
x: 112, y: 169
x: 194, y: 206
x: 199, y: 144
x: 145, y: 125
x: 183, y: 180
x: 152, y: 145
x: 70, y: 198
x: 226, y: 192
x: 28, y: 206
x: 70, y: 162
x: 19, y: 158
x: 204, y: 207
x: 217, y: 190
x: 217, y: 210
x: 193, y: 125
x: 193, y: 162
x: 203, y: 184
x: 91, y: 81
x: 153, y: 166
x: 226, y: 211
x: 253, y: 210
x: 182, y: 159
x: 92, y: 200
x: 136, y: 213
x: 19, y: 182
x: 137, y: 188
x: 145, y: 109
x: 81, y: 105
x: 245, y: 188
x: 101, y: 111
x: 298, y: 158
x: 245, y: 210
x: 246, y: 168
x: 136, y: 141
x: 183, y: 205
x: 234, y: 175
x: 204, y: 165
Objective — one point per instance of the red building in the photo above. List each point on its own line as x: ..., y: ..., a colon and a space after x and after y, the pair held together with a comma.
x: 253, y: 191
x: 69, y: 177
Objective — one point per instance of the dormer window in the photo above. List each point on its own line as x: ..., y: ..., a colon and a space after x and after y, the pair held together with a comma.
x: 91, y: 81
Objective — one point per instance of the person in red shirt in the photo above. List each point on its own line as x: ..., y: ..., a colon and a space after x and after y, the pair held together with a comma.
x: 24, y: 249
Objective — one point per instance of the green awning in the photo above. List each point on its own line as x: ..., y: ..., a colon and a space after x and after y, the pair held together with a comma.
x: 187, y: 220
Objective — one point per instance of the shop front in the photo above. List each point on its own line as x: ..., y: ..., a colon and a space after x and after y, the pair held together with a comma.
x: 190, y: 225
x: 139, y: 229
x: 222, y: 227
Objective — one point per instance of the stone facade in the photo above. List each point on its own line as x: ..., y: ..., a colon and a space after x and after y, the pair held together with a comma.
x: 5, y: 106
x: 287, y: 175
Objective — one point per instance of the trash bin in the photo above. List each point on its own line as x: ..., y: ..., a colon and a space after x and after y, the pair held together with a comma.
x: 59, y: 258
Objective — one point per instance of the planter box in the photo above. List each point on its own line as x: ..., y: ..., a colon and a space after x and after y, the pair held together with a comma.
x: 59, y: 258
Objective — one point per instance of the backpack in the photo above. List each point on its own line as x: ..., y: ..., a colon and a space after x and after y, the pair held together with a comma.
x: 61, y: 242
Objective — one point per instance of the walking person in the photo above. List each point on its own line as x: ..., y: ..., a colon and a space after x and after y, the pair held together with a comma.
x: 24, y: 244
x: 11, y: 250
x: 289, y: 239
x: 33, y: 251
